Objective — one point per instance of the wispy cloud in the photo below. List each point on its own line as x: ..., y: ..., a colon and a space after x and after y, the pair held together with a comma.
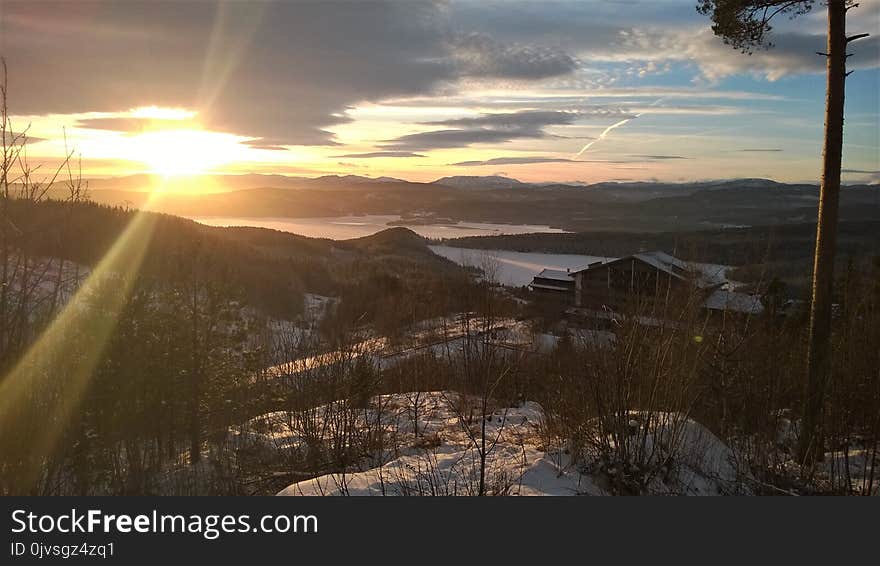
x: 867, y: 175
x: 550, y: 159
x: 478, y: 54
x: 20, y: 137
x: 514, y: 161
x: 376, y: 154
x: 522, y: 120
x: 500, y: 127
x: 130, y: 124
x: 660, y: 157
x: 484, y: 128
x: 268, y: 147
x: 443, y: 139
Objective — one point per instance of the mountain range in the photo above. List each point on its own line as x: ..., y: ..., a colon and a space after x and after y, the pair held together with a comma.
x: 609, y: 206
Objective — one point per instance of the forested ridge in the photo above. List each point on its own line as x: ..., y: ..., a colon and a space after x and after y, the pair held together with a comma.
x: 268, y: 269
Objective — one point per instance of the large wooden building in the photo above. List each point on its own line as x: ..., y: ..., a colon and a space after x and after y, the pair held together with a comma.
x: 635, y: 279
x: 639, y: 281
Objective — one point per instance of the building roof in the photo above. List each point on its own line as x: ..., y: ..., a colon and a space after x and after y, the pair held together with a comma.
x: 665, y: 263
x: 723, y: 300
x: 534, y: 285
x: 658, y: 260
x: 663, y: 260
x: 556, y: 275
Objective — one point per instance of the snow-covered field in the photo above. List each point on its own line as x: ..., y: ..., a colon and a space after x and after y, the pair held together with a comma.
x: 432, y: 441
x: 439, y: 336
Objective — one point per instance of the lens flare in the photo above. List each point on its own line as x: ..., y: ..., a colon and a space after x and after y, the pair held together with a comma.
x: 58, y: 367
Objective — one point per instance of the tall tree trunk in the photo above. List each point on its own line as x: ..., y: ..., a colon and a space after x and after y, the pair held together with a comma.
x: 826, y: 236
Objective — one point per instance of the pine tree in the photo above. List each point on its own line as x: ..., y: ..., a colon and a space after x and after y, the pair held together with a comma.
x: 745, y: 24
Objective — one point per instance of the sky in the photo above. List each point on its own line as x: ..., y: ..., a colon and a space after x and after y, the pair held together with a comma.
x: 567, y: 91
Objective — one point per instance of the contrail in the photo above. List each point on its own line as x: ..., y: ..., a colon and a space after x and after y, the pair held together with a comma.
x: 605, y: 133
x: 613, y: 126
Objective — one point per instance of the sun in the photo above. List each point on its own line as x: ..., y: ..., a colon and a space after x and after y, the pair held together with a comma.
x: 179, y: 153
x: 175, y: 148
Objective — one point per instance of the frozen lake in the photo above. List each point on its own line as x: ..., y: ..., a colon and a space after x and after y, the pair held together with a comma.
x: 515, y: 268
x: 512, y: 268
x: 347, y: 227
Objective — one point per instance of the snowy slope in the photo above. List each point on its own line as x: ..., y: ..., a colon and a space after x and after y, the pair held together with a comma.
x: 443, y: 458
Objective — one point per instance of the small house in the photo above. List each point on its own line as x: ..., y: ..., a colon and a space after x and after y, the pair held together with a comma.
x: 554, y: 282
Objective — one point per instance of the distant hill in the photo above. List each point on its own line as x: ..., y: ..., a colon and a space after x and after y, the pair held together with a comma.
x: 269, y: 268
x: 478, y: 183
x: 397, y: 240
x: 626, y: 207
x: 228, y: 183
x: 205, y: 183
x: 397, y: 236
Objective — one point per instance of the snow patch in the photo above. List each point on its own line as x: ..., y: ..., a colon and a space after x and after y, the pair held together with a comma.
x: 430, y: 449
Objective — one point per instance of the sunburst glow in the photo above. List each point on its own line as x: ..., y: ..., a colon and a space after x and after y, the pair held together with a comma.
x: 175, y: 153
x: 160, y: 113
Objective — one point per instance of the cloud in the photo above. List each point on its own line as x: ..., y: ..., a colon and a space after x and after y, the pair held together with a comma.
x: 760, y: 150
x: 514, y: 161
x: 267, y: 147
x: 296, y: 73
x: 129, y: 124
x: 20, y: 137
x: 869, y: 176
x: 523, y: 120
x: 443, y: 139
x: 283, y: 72
x: 276, y: 144
x: 792, y: 52
x: 549, y: 159
x: 485, y: 128
x: 496, y: 127
x: 374, y: 154
x: 646, y: 36
x: 637, y: 97
x: 660, y: 157
x: 249, y: 69
x: 480, y: 55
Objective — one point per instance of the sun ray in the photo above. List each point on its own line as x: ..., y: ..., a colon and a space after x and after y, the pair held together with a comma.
x: 70, y: 348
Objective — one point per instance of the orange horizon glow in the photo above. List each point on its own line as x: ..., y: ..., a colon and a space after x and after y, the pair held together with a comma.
x: 171, y: 144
